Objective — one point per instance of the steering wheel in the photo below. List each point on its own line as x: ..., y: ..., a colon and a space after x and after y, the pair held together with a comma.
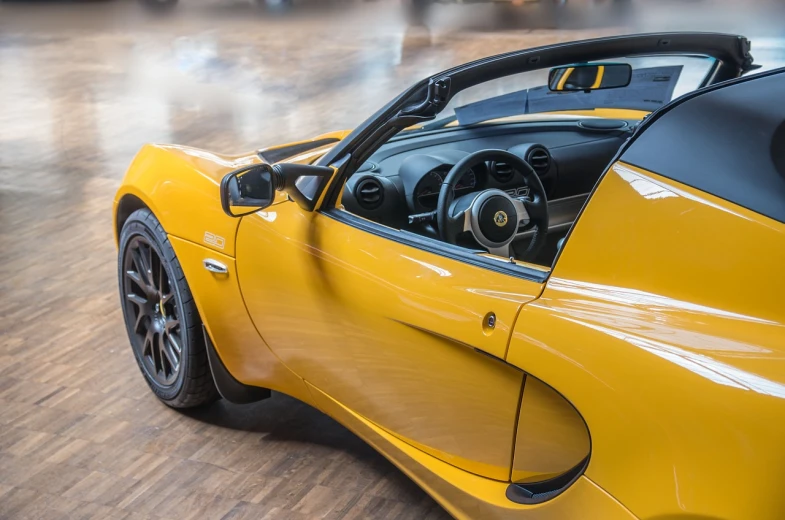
x: 492, y: 216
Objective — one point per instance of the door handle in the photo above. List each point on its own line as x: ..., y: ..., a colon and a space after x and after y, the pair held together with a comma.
x: 214, y: 266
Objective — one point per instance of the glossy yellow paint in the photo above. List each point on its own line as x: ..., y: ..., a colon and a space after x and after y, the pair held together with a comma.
x: 377, y: 324
x: 223, y: 312
x: 663, y: 323
x: 552, y: 437
x: 180, y: 185
x: 468, y: 496
x: 608, y: 113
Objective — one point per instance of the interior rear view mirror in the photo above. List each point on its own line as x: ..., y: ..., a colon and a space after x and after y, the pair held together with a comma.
x: 589, y: 76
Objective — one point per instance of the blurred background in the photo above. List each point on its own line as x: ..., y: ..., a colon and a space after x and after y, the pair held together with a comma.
x: 83, y: 85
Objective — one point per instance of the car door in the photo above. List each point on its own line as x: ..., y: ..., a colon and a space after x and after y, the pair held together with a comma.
x: 412, y: 340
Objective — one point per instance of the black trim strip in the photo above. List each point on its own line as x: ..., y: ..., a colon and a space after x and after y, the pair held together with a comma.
x: 539, y: 492
x: 436, y: 247
x: 275, y: 155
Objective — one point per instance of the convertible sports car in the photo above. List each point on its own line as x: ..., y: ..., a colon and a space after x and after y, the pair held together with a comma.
x: 546, y: 285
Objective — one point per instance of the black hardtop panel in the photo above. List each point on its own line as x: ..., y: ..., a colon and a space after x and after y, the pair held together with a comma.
x: 728, y: 141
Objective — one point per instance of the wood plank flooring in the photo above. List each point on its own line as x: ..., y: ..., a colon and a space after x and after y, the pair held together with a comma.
x: 82, y: 87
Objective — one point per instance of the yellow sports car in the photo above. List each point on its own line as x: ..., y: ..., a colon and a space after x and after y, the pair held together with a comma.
x: 546, y: 285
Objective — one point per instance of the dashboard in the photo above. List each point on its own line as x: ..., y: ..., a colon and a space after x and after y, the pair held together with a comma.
x: 404, y: 176
x: 426, y: 194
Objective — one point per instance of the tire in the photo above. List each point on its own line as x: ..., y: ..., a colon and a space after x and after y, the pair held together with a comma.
x: 161, y: 316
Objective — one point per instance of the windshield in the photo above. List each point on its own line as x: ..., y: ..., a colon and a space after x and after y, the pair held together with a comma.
x: 656, y: 80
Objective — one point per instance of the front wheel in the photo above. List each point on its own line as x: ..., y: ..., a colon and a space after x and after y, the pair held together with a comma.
x: 161, y: 318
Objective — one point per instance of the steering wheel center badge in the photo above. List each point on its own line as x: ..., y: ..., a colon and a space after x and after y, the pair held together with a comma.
x: 500, y: 218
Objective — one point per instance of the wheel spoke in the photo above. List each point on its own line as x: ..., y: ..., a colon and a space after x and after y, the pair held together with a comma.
x: 134, y: 277
x: 142, y: 269
x: 147, y: 346
x: 174, y: 339
x: 138, y: 300
x: 139, y: 320
x: 166, y: 297
x: 171, y: 325
x: 166, y: 352
x: 155, y: 348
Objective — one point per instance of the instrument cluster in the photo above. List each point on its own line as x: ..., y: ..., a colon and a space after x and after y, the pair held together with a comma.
x: 427, y: 191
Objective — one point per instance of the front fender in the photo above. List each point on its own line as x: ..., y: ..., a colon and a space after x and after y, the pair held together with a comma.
x: 180, y: 185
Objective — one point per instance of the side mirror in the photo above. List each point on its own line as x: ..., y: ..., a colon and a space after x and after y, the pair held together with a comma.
x: 252, y: 188
x: 248, y: 190
x: 589, y: 76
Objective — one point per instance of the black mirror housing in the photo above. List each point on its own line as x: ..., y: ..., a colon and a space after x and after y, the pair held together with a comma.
x: 252, y: 188
x: 585, y: 77
x: 248, y: 190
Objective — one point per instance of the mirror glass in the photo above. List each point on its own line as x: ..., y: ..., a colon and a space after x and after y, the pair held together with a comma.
x: 589, y: 76
x: 249, y: 190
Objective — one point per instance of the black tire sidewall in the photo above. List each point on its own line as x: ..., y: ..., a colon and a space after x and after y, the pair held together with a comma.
x: 139, y: 224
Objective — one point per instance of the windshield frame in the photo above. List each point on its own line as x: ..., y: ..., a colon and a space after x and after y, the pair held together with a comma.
x: 705, y: 66
x: 424, y: 100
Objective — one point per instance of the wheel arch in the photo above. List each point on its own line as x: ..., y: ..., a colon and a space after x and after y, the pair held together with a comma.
x: 127, y: 204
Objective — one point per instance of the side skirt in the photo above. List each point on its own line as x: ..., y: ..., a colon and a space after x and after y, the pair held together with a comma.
x: 465, y: 495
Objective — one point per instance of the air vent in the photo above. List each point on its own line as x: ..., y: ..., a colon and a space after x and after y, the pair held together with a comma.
x: 369, y: 193
x: 540, y: 160
x: 501, y: 171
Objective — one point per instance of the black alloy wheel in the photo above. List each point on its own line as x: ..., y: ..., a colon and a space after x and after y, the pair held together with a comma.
x: 161, y: 318
x: 149, y: 295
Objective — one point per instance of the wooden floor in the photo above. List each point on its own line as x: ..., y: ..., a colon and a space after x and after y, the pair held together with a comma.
x: 81, y: 436
x: 82, y: 87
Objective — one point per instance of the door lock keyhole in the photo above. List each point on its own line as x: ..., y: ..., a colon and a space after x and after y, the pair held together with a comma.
x: 489, y: 323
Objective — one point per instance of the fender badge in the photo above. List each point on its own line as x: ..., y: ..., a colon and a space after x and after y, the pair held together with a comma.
x: 214, y: 240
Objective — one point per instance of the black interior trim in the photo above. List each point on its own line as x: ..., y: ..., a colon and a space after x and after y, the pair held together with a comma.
x: 230, y: 388
x: 460, y: 254
x: 404, y: 142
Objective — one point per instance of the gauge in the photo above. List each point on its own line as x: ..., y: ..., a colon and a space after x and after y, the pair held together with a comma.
x: 467, y: 182
x: 428, y: 190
